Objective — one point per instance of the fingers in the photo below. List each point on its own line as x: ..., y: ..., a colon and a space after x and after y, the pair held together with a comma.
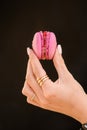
x: 35, y: 63
x: 59, y: 62
x: 27, y: 91
x: 38, y: 72
x: 33, y: 102
x: 31, y: 80
x: 37, y: 68
x: 32, y: 97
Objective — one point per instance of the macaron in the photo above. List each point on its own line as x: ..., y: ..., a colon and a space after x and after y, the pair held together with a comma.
x: 44, y: 45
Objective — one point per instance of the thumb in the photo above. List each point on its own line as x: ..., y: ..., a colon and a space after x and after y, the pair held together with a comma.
x: 59, y: 62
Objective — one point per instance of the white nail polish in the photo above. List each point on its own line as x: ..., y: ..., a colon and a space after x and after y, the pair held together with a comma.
x: 60, y: 49
x: 28, y: 50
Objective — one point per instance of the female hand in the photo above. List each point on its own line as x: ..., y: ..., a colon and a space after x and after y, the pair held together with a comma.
x: 65, y: 95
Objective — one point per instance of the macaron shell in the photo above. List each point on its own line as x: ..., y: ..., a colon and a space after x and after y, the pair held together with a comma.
x: 36, y: 44
x: 52, y: 45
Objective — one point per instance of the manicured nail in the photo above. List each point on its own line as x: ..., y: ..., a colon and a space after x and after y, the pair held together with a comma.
x: 28, y: 51
x: 60, y: 49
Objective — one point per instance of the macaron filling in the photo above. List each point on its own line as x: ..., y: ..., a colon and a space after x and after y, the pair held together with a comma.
x: 45, y: 45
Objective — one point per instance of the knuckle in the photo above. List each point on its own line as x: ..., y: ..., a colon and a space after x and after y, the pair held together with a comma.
x: 28, y: 100
x: 48, y: 89
x: 49, y: 94
x: 23, y: 90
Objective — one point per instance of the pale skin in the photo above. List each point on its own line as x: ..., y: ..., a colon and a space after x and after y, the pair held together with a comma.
x: 65, y: 95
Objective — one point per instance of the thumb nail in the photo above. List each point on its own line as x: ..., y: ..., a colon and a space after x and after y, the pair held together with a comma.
x: 59, y: 49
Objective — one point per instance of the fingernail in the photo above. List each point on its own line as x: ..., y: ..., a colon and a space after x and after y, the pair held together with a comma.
x: 28, y: 51
x: 60, y: 49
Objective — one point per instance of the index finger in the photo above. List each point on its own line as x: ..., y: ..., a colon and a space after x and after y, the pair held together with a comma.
x: 36, y: 65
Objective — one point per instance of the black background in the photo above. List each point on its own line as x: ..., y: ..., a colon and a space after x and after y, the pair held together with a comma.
x: 19, y: 20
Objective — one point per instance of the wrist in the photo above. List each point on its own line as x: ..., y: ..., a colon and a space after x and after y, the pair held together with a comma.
x: 80, y: 108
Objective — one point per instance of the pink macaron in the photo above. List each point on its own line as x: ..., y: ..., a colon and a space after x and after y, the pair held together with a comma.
x: 44, y: 45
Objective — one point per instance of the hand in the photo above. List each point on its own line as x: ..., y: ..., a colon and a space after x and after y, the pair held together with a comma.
x: 65, y: 95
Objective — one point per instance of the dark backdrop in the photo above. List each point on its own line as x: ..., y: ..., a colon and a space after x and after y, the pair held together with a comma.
x: 18, y: 23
